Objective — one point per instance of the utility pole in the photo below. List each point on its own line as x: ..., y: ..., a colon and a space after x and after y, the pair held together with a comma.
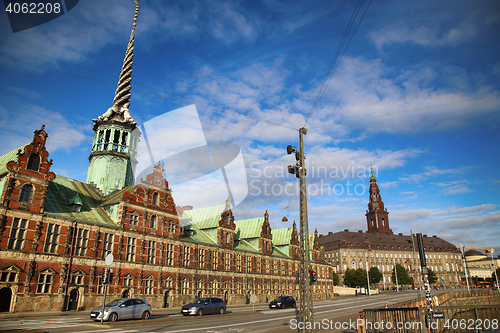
x: 305, y: 294
x: 466, y: 268
x: 396, y: 273
x: 423, y: 263
x: 417, y: 279
x: 494, y: 268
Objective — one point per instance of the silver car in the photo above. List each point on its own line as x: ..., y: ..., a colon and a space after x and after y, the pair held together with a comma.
x: 125, y: 308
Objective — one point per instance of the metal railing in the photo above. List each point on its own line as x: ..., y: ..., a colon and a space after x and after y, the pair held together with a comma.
x: 465, y: 318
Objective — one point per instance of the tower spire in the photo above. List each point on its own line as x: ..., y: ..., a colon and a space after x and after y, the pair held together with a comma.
x: 113, y: 158
x: 377, y: 217
x: 119, y: 111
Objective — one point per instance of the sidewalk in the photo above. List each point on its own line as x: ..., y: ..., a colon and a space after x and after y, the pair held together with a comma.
x: 86, y: 312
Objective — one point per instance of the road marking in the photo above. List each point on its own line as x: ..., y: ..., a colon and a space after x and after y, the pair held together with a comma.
x: 268, y: 320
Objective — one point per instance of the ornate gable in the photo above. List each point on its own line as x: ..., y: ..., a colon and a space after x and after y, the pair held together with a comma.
x: 266, y: 227
x: 225, y: 233
x: 29, y: 176
x: 294, y: 238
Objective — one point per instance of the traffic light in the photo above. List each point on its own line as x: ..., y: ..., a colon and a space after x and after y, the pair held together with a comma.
x: 104, y: 275
x: 314, y: 276
x: 110, y: 276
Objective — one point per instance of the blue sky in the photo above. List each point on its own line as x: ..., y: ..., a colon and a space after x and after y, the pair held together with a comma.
x: 416, y: 95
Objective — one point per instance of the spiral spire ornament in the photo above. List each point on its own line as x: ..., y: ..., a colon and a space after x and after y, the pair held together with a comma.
x: 119, y: 111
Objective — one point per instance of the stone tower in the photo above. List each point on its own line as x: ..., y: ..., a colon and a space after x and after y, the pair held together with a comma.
x: 112, y: 160
x: 377, y: 217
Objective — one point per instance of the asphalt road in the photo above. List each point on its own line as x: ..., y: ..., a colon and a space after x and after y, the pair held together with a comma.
x: 338, y: 315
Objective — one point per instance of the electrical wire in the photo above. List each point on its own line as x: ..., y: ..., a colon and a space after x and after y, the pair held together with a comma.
x: 329, y: 76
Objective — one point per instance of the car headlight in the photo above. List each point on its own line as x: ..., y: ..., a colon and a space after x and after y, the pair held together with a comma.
x: 192, y: 308
x: 278, y: 303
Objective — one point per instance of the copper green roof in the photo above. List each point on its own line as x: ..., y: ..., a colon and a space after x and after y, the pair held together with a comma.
x: 10, y: 156
x: 282, y: 236
x: 117, y: 196
x: 243, y: 245
x: 62, y: 189
x: 203, y: 218
x: 199, y: 236
x: 251, y: 228
x: 278, y: 252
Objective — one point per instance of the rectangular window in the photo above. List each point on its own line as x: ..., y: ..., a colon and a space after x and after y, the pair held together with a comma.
x: 8, y: 276
x: 81, y: 242
x: 128, y: 281
x: 151, y: 252
x: 130, y: 249
x: 185, y: 256
x: 170, y: 226
x: 134, y: 218
x: 107, y: 245
x: 51, y: 239
x: 215, y: 260
x: 201, y: 259
x: 17, y: 233
x: 170, y: 254
x: 149, y: 287
x: 44, y: 283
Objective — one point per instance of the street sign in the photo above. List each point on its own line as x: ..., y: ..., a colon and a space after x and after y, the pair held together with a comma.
x: 109, y: 259
x: 438, y: 315
x: 253, y: 298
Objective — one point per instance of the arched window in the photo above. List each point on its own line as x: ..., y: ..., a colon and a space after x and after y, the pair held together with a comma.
x: 33, y: 162
x: 227, y: 237
x: 154, y: 201
x: 153, y: 221
x: 26, y: 193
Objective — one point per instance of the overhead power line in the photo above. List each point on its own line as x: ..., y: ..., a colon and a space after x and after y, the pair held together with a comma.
x: 332, y: 69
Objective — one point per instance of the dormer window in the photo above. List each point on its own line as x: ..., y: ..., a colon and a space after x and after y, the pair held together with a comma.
x: 33, y: 162
x: 26, y: 193
x: 228, y: 219
x: 75, y: 203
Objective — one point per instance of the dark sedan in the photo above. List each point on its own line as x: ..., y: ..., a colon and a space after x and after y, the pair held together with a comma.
x: 203, y: 306
x: 282, y: 302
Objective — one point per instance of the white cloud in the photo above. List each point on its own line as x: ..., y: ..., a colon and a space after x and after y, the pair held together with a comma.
x: 454, y: 187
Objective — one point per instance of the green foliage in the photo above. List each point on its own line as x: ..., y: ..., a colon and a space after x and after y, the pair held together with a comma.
x: 375, y: 275
x: 355, y: 278
x: 336, y: 279
x: 432, y: 276
x: 403, y: 277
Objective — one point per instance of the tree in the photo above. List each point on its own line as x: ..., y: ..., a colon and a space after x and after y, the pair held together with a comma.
x: 403, y: 277
x: 336, y: 279
x: 432, y: 276
x: 355, y: 278
x: 375, y: 275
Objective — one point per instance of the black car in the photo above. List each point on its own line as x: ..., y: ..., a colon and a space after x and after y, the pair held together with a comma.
x: 203, y: 306
x: 282, y: 302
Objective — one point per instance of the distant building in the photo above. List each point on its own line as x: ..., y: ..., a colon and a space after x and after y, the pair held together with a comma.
x: 379, y: 247
x: 481, y: 266
x: 56, y: 232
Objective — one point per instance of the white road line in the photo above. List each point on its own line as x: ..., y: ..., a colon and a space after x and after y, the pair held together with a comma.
x: 266, y: 320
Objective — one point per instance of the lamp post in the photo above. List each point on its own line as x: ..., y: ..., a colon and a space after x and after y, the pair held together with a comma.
x: 367, y: 276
